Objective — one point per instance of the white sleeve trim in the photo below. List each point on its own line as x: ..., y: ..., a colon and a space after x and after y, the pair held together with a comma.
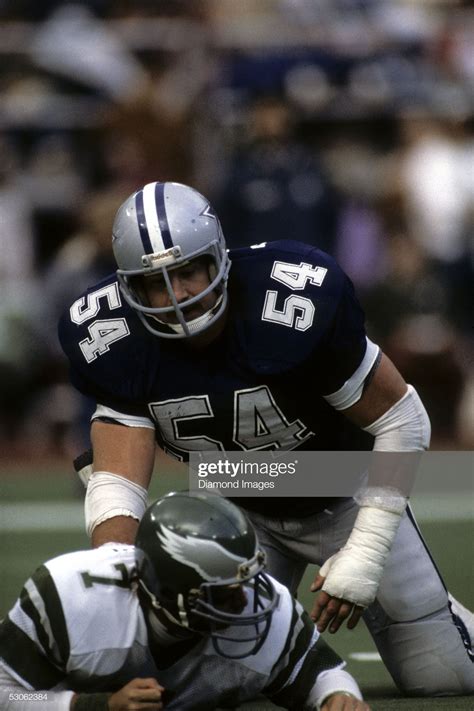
x: 331, y: 682
x: 299, y: 664
x: 351, y: 391
x: 122, y: 418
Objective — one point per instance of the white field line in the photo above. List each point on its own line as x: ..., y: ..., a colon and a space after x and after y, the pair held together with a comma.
x: 365, y: 656
x: 42, y: 516
x: 69, y: 516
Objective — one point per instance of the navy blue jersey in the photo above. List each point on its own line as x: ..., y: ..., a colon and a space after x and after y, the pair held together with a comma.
x: 293, y: 340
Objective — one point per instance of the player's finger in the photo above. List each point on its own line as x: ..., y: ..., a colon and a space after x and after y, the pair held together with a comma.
x: 317, y: 583
x: 150, y: 699
x: 146, y: 683
x: 144, y: 702
x: 343, y: 613
x: 355, y: 617
x: 340, y: 702
x: 143, y: 695
x: 319, y: 605
x: 330, y: 611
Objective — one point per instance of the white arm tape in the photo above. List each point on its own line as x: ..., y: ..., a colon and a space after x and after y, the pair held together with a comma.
x: 109, y: 495
x: 405, y: 427
x: 354, y: 572
x: 332, y: 681
x: 385, y: 498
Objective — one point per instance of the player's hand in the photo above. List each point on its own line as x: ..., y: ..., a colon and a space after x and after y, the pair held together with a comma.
x: 343, y: 702
x: 332, y: 611
x: 138, y: 694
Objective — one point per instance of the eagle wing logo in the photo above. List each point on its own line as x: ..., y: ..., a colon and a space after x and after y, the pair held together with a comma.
x: 211, y: 560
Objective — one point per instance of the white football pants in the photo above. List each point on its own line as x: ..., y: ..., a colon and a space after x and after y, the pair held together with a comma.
x: 424, y: 646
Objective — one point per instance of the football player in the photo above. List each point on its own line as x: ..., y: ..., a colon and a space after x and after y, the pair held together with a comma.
x: 185, y: 619
x: 196, y: 348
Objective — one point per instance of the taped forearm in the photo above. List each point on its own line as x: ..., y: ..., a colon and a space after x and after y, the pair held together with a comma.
x: 401, y: 434
x: 354, y: 573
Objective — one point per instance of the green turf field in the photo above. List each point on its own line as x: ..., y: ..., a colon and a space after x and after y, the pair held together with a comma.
x: 41, y: 516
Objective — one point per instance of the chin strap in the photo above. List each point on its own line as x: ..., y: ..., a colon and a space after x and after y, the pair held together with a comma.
x: 196, y: 323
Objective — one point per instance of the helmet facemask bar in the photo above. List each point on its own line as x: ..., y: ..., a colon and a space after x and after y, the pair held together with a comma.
x: 198, y: 604
x: 260, y: 619
x: 179, y: 623
x: 150, y: 316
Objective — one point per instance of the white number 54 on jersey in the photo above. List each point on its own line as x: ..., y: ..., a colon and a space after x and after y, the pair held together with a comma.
x: 298, y: 311
x: 102, y: 332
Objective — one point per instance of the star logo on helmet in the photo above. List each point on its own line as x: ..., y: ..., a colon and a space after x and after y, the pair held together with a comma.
x: 208, y: 212
x: 209, y: 558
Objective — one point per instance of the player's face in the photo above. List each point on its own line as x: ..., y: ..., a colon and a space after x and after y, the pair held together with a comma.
x: 187, y: 281
x: 230, y: 599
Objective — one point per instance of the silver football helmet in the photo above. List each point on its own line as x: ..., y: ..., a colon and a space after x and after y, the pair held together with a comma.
x: 161, y: 227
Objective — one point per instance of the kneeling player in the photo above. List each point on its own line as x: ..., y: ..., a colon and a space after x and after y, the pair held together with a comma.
x: 185, y: 619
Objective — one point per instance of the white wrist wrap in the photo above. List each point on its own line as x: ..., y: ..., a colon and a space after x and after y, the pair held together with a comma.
x: 332, y: 681
x: 109, y: 495
x: 354, y: 572
x: 385, y: 498
x: 405, y: 427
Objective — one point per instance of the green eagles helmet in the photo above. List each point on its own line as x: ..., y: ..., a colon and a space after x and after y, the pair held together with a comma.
x: 191, y: 546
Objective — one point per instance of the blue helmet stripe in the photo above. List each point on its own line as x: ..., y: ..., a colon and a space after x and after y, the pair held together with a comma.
x: 142, y: 225
x: 162, y: 217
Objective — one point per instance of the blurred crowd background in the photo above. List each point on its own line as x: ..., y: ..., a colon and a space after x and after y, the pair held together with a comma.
x: 344, y: 123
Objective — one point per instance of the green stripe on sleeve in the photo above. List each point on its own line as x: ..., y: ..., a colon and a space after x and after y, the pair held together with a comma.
x: 54, y: 609
x: 26, y: 659
x: 320, y: 657
x: 300, y: 646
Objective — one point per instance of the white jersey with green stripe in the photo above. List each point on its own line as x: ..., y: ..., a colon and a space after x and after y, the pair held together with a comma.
x: 78, y: 625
